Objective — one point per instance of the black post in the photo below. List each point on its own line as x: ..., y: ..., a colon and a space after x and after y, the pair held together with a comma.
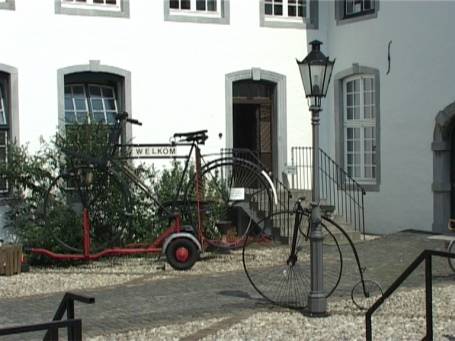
x: 428, y: 297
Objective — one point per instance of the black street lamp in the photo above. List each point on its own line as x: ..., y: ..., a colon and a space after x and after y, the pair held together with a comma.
x: 316, y: 70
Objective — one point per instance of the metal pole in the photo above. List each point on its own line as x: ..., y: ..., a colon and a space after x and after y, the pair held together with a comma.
x: 317, y: 301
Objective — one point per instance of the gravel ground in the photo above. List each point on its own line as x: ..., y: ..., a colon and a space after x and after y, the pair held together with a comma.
x: 402, y: 318
x: 115, y: 271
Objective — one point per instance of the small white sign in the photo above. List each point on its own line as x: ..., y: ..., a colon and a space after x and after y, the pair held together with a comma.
x: 237, y: 194
x: 152, y: 151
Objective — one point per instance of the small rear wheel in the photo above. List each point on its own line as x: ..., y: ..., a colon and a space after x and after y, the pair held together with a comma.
x: 364, y: 295
x: 451, y: 249
x: 182, y: 253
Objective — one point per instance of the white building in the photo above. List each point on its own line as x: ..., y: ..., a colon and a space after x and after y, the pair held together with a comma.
x: 229, y: 67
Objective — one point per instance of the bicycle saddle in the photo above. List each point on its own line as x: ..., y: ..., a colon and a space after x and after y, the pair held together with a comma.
x: 199, y: 136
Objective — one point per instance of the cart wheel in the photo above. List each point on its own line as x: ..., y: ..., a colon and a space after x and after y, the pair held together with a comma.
x: 182, y: 253
x: 364, y: 299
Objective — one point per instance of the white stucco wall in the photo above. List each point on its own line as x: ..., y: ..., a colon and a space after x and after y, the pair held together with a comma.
x: 178, y: 69
x: 419, y: 85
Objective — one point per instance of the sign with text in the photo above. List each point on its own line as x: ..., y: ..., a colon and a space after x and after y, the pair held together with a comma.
x: 152, y: 151
x: 237, y: 194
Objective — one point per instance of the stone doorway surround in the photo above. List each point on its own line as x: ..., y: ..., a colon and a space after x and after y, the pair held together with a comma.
x: 280, y: 140
x: 442, y: 178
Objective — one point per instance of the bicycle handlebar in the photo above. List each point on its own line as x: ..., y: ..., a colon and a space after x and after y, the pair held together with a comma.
x: 124, y: 117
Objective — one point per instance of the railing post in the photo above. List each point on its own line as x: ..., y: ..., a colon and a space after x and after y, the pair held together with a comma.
x: 70, y: 316
x: 428, y: 297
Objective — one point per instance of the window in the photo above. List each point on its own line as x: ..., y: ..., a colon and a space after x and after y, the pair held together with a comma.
x: 359, y: 115
x: 289, y: 13
x: 90, y: 103
x: 286, y: 8
x: 93, y: 93
x: 4, y: 132
x: 200, y: 11
x: 354, y: 10
x: 357, y: 124
x: 358, y: 7
x: 118, y: 8
x: 7, y: 4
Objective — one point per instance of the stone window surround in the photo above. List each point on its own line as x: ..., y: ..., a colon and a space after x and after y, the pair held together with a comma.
x: 12, y: 94
x: 123, y: 13
x: 8, y: 4
x: 339, y: 13
x: 279, y: 80
x: 442, y: 154
x: 356, y: 69
x: 224, y: 18
x: 125, y: 103
x: 311, y: 22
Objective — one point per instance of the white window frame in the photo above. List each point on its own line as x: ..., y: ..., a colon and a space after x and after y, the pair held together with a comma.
x: 193, y: 12
x: 360, y: 123
x: 285, y: 16
x: 90, y: 5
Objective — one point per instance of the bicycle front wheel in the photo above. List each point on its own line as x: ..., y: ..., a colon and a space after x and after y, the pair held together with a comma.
x: 228, y: 197
x: 274, y: 275
x: 102, y: 194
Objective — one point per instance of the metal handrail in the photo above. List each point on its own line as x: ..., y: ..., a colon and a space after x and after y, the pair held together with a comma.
x: 426, y: 256
x: 337, y: 187
x: 74, y: 326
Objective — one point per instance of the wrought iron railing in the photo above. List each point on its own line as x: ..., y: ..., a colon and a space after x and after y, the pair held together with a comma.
x: 337, y: 187
x: 425, y: 256
x: 73, y: 325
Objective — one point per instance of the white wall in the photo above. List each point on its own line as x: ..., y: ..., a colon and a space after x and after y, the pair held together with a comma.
x: 419, y: 85
x: 178, y: 69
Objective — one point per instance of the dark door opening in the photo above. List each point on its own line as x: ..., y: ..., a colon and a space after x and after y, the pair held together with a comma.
x: 254, y: 119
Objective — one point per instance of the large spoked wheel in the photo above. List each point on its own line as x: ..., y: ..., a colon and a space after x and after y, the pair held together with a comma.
x: 279, y: 278
x: 451, y: 249
x: 230, y: 195
x: 182, y: 253
x: 104, y: 197
x: 364, y: 294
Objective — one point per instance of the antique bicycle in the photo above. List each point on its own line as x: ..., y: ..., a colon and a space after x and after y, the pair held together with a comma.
x: 451, y: 246
x: 283, y: 277
x: 225, y: 192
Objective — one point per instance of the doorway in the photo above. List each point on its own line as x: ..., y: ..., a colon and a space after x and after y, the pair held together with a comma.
x: 254, y: 120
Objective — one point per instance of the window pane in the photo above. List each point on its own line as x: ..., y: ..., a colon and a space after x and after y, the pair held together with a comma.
x: 110, y: 116
x: 97, y: 104
x: 268, y: 9
x: 174, y: 4
x: 185, y: 4
x: 80, y: 104
x: 278, y: 9
x: 200, y: 5
x: 95, y: 91
x: 78, y: 91
x: 69, y: 103
x: 82, y: 117
x: 99, y: 117
x: 110, y: 104
x: 70, y: 117
x: 211, y: 5
x: 108, y: 92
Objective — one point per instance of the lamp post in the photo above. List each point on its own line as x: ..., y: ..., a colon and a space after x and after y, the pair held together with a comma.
x: 315, y: 71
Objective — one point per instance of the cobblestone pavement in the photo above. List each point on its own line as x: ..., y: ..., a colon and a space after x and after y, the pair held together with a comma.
x: 148, y: 303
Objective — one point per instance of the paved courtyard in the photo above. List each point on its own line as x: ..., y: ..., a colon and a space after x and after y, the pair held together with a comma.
x: 145, y: 303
